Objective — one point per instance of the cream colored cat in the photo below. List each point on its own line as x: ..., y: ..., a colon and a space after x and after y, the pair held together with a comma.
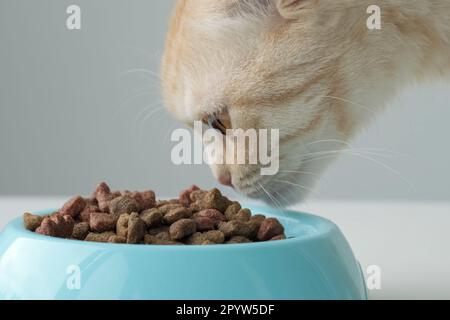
x: 310, y: 68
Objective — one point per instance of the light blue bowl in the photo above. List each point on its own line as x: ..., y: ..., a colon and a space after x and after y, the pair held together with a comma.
x: 317, y: 263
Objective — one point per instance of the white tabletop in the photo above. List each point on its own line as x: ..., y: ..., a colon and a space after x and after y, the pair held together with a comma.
x: 410, y: 242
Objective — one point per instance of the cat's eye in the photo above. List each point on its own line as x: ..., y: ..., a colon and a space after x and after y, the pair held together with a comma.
x: 220, y: 122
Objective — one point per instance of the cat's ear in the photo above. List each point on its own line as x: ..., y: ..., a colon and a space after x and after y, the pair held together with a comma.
x: 292, y: 9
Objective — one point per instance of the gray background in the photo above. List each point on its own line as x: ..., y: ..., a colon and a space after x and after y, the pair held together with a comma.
x: 72, y: 106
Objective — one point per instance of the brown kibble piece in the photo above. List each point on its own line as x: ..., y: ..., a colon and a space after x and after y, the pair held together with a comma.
x: 215, y: 215
x: 214, y: 200
x: 155, y: 231
x: 176, y: 214
x: 232, y: 210
x: 238, y: 239
x: 255, y: 223
x: 235, y: 228
x: 102, y: 222
x: 270, y: 228
x: 160, y: 203
x: 196, y: 206
x: 279, y: 237
x: 185, y: 196
x: 80, y: 231
x: 243, y: 215
x: 104, y: 196
x: 99, y: 237
x: 152, y: 217
x: 182, y: 228
x: 169, y: 207
x: 57, y: 226
x: 101, y: 188
x: 136, y: 229
x: 122, y: 225
x: 117, y: 239
x: 208, y: 243
x: 123, y: 204
x: 197, y: 195
x: 204, y: 224
x: 254, y: 228
x: 31, y: 221
x: 195, y: 239
x: 165, y: 236
x: 73, y: 207
x: 215, y: 236
x: 145, y: 199
x: 152, y: 240
x: 85, y: 215
x: 258, y: 218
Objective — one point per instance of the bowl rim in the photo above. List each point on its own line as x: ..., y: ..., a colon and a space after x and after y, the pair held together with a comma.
x: 327, y: 226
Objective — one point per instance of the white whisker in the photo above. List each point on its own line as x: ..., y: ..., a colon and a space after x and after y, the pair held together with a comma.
x: 297, y: 185
x: 352, y: 103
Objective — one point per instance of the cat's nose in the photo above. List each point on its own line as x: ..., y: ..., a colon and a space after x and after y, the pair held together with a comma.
x: 225, y: 179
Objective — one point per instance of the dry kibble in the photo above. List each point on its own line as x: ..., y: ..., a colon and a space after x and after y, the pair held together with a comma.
x: 232, y: 210
x: 155, y: 231
x: 197, y: 217
x: 166, y: 208
x: 145, y: 199
x: 122, y: 225
x: 214, y: 200
x: 243, y: 215
x: 57, y: 226
x: 254, y: 228
x: 176, y: 214
x: 196, y: 206
x: 215, y: 215
x: 270, y: 228
x: 31, y: 221
x: 152, y: 240
x: 160, y: 203
x: 204, y: 224
x: 185, y: 196
x: 207, y: 243
x: 136, y: 229
x: 152, y: 217
x: 235, y: 228
x: 279, y: 237
x: 85, y: 215
x: 198, y: 238
x: 73, y: 207
x: 195, y: 239
x: 117, y: 239
x: 238, y: 239
x: 164, y: 236
x: 103, y: 196
x: 182, y: 228
x: 258, y: 218
x: 102, y: 222
x: 123, y: 204
x: 197, y: 195
x: 80, y: 231
x: 215, y: 236
x: 99, y: 237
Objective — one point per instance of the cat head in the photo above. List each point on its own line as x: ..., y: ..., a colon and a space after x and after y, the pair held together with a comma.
x: 291, y: 65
